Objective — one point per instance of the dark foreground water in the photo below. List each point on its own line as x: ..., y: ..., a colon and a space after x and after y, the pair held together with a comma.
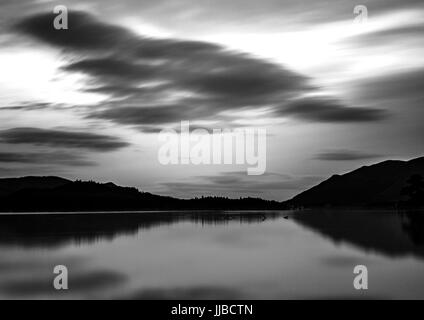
x: 185, y: 255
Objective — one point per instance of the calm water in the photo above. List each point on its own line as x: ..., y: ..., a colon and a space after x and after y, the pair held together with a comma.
x: 283, y: 255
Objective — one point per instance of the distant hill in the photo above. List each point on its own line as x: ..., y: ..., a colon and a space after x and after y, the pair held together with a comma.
x: 376, y: 185
x: 10, y: 185
x: 36, y: 194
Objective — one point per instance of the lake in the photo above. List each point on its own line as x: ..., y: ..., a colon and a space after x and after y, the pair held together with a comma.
x: 213, y: 255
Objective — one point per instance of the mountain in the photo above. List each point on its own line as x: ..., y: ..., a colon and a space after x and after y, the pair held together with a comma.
x: 36, y: 194
x: 376, y: 185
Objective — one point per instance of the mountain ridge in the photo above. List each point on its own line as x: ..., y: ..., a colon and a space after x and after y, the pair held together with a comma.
x: 376, y: 185
x: 379, y: 184
x: 50, y: 194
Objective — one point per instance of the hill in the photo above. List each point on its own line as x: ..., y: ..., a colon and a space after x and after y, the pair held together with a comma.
x: 380, y: 185
x: 11, y: 185
x: 36, y: 194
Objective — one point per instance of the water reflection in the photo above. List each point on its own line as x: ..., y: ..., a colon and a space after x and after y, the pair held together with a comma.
x: 82, y: 284
x: 52, y: 230
x: 389, y: 233
x: 413, y: 225
x: 213, y: 255
x: 190, y: 293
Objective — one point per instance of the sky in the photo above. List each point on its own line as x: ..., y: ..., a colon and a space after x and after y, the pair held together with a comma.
x: 333, y: 93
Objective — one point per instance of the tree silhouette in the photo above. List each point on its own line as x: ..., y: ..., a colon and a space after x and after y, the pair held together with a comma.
x: 415, y: 189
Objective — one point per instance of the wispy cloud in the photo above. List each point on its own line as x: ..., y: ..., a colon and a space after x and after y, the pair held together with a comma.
x: 60, y: 138
x: 48, y: 158
x: 330, y: 110
x: 345, y: 155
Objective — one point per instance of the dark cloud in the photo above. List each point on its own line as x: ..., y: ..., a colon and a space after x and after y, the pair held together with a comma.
x: 170, y: 49
x: 223, y: 79
x: 114, y: 90
x: 148, y: 115
x: 58, y: 158
x: 168, y: 80
x: 60, y: 138
x: 405, y: 85
x: 112, y: 67
x: 85, y: 32
x: 242, y: 81
x: 330, y: 110
x: 345, y: 155
x: 27, y: 106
